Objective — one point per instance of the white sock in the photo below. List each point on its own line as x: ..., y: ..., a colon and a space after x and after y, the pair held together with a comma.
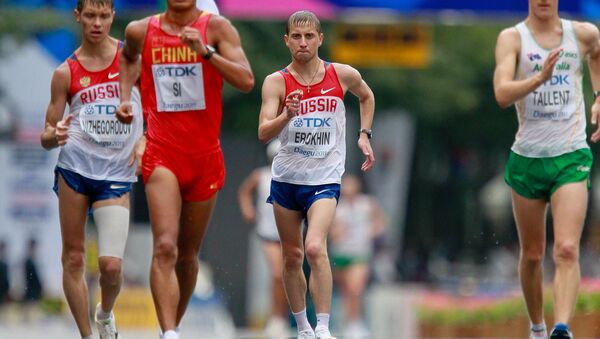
x: 302, y: 320
x: 538, y: 327
x: 539, y: 331
x: 322, y: 321
x: 100, y: 314
x: 170, y: 334
x: 88, y: 337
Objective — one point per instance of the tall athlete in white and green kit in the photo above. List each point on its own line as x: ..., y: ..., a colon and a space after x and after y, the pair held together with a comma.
x: 539, y: 70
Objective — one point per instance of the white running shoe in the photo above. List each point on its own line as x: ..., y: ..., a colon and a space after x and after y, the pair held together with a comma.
x: 306, y: 334
x: 323, y: 333
x: 107, y: 329
x: 538, y: 334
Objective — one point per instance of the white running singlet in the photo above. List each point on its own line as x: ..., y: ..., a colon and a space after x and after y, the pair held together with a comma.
x: 552, y: 118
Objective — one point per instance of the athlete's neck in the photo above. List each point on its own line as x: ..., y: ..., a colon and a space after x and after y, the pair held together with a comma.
x: 307, y: 70
x: 96, y: 55
x: 538, y: 25
x: 180, y: 19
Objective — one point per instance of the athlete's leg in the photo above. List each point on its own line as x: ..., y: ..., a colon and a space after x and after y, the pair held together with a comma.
x: 73, y: 208
x: 111, y: 276
x: 355, y: 278
x: 530, y: 216
x: 164, y: 202
x: 569, y: 204
x: 272, y: 252
x: 195, y: 217
x: 320, y: 218
x: 289, y: 226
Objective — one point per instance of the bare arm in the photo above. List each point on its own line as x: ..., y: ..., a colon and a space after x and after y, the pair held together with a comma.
x: 271, y: 121
x: 130, y: 66
x: 587, y: 36
x: 230, y: 58
x: 246, y: 196
x: 351, y: 80
x: 55, y: 131
x: 506, y: 88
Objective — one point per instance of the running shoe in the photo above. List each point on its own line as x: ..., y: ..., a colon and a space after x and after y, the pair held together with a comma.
x: 561, y: 331
x: 541, y: 334
x: 323, y: 334
x: 306, y: 334
x: 107, y: 329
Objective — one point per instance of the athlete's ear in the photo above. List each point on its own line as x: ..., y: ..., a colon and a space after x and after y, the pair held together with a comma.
x: 77, y: 15
x: 321, y: 38
x: 286, y: 38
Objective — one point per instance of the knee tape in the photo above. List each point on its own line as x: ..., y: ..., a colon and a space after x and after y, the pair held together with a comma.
x: 112, y: 223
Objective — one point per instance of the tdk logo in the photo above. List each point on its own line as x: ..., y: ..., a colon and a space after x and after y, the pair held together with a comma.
x: 533, y: 56
x: 100, y: 109
x: 558, y: 80
x: 298, y: 122
x: 317, y: 122
x: 312, y: 122
x: 176, y: 71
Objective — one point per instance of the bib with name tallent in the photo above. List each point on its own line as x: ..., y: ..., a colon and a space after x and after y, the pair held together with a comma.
x: 552, y: 117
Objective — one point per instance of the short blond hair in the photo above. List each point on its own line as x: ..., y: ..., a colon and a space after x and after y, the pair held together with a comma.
x: 81, y: 3
x: 303, y: 18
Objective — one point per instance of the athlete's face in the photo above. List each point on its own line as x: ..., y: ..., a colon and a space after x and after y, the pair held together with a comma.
x: 95, y: 21
x: 181, y: 5
x: 303, y: 42
x: 543, y: 9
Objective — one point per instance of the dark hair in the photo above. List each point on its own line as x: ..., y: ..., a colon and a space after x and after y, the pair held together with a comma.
x: 302, y: 18
x: 81, y: 3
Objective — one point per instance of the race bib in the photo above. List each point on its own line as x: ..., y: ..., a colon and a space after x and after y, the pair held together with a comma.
x: 554, y: 100
x: 99, y: 123
x: 179, y: 87
x: 312, y: 136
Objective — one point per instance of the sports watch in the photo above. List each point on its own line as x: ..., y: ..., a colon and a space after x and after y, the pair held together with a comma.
x: 366, y: 131
x: 210, y: 50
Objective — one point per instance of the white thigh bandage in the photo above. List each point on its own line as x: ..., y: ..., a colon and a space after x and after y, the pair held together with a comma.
x: 112, y: 223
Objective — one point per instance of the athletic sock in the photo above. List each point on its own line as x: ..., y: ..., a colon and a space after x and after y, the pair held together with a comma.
x: 302, y: 320
x: 322, y: 321
x: 100, y: 314
x: 538, y: 327
x: 170, y: 334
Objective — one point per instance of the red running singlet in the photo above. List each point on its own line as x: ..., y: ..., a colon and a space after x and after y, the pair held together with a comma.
x: 181, y: 92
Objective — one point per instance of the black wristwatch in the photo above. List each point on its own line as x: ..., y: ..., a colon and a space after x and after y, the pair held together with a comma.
x: 366, y: 131
x: 210, y: 50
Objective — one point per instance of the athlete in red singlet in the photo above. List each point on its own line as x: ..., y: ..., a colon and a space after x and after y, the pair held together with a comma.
x: 185, y: 55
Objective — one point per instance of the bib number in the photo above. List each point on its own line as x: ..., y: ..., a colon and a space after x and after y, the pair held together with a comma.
x: 99, y: 123
x: 179, y: 87
x: 312, y: 137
